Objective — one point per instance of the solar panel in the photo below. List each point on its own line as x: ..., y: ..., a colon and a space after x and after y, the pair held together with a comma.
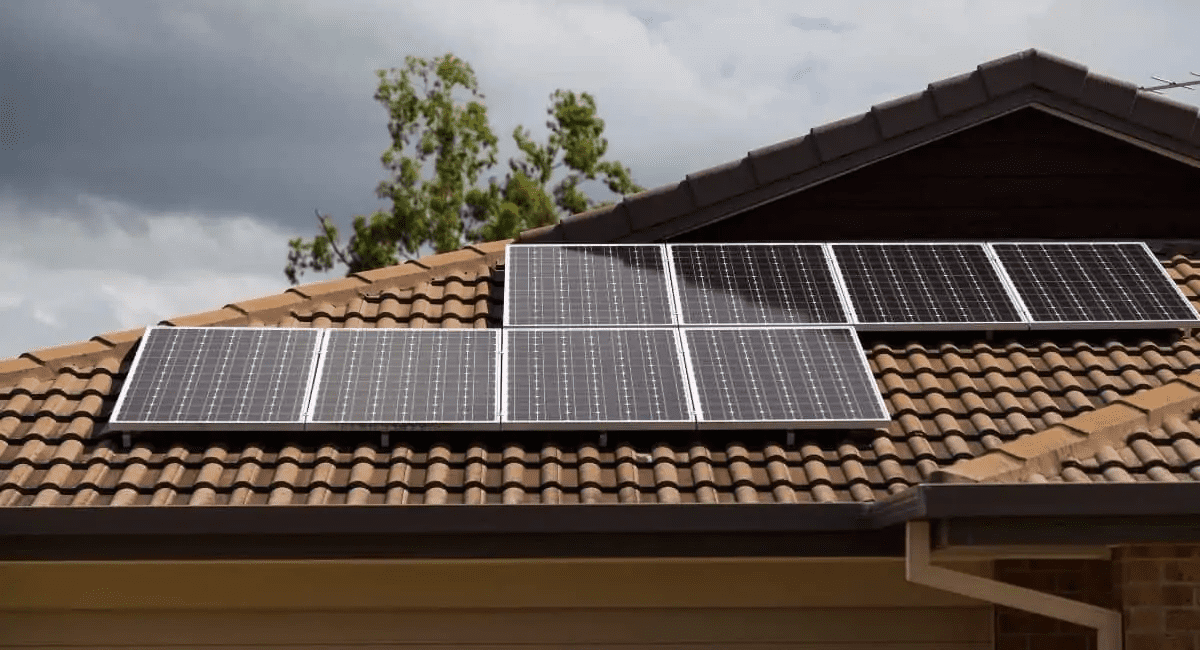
x: 188, y: 378
x: 755, y: 284
x: 592, y: 285
x: 1094, y: 285
x: 407, y: 379
x: 930, y: 286
x: 617, y: 378
x: 793, y: 377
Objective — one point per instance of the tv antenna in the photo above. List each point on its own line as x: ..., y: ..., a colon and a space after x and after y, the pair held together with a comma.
x: 1168, y: 84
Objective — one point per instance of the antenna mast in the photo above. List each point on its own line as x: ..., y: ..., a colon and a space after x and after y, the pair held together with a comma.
x: 1168, y: 84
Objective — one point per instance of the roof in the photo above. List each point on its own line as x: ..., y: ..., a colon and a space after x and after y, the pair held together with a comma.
x: 1094, y: 407
x: 1031, y: 78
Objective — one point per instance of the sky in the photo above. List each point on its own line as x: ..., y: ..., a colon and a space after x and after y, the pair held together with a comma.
x: 156, y: 157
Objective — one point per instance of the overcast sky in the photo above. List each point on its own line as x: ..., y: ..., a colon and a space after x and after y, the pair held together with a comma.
x: 155, y: 157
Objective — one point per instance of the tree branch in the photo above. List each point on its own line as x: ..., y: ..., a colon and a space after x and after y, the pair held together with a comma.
x: 325, y: 225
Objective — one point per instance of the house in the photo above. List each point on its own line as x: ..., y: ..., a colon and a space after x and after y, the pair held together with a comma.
x: 1031, y: 490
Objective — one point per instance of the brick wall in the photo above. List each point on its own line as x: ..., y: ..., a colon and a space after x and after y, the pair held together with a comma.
x: 1159, y: 588
x: 1089, y: 581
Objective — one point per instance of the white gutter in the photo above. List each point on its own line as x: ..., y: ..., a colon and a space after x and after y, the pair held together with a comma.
x: 919, y: 570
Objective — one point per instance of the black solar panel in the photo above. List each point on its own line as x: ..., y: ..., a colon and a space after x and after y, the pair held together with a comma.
x: 187, y: 378
x: 595, y: 285
x: 755, y: 284
x: 951, y: 285
x: 782, y: 377
x: 1086, y: 284
x: 594, y: 379
x: 407, y: 378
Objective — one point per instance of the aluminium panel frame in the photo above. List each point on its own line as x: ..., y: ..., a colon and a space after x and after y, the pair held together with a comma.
x: 1101, y: 324
x: 689, y: 424
x: 702, y: 423
x: 506, y: 315
x: 830, y: 266
x: 389, y: 426
x: 118, y: 425
x: 867, y: 326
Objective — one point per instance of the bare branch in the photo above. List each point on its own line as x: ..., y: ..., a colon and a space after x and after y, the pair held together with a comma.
x: 328, y: 228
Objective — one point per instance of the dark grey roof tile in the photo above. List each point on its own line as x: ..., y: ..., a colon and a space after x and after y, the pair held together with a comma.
x: 721, y: 182
x: 905, y: 114
x: 596, y: 226
x: 1164, y: 115
x: 1107, y: 94
x: 659, y: 204
x: 783, y: 159
x: 958, y: 93
x: 1009, y: 73
x: 846, y: 136
x: 1058, y: 74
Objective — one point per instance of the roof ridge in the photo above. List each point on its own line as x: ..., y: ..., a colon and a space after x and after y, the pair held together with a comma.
x: 44, y: 363
x: 1080, y: 436
x: 1026, y: 78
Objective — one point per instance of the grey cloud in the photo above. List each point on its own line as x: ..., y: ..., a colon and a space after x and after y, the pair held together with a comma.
x: 807, y: 73
x: 818, y: 24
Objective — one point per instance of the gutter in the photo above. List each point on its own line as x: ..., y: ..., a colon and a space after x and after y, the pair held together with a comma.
x: 1027, y: 514
x: 919, y: 570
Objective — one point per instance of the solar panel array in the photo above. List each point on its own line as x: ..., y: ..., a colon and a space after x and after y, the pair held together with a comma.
x: 950, y: 285
x: 646, y: 336
x: 755, y: 284
x: 433, y: 377
x: 588, y: 378
x: 790, y: 376
x: 1094, y: 285
x: 595, y: 285
x: 231, y: 377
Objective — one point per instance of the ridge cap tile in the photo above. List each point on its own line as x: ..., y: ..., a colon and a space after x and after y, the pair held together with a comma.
x: 847, y: 135
x: 117, y: 338
x: 597, y: 226
x: 1059, y: 75
x: 1164, y: 114
x: 328, y: 287
x: 907, y: 113
x: 253, y: 306
x: 1008, y: 73
x: 1113, y: 96
x: 657, y: 205
x: 722, y: 181
x: 216, y: 317
x: 542, y: 234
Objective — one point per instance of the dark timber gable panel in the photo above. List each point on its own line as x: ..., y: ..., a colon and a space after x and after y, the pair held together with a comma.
x: 1027, y: 174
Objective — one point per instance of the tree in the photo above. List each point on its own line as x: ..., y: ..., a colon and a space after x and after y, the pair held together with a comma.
x: 448, y: 209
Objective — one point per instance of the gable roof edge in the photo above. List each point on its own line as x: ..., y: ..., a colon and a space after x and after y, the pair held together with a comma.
x: 1026, y: 79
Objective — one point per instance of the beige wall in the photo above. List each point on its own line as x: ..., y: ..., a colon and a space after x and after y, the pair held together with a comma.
x: 729, y: 602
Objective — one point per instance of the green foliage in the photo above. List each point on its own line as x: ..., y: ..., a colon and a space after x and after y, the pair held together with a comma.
x: 448, y: 209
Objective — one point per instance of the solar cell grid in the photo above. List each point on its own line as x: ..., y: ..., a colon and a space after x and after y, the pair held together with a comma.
x: 782, y: 377
x: 935, y: 285
x: 586, y: 285
x: 415, y: 378
x: 187, y: 378
x: 755, y: 284
x: 594, y: 378
x: 1089, y: 284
